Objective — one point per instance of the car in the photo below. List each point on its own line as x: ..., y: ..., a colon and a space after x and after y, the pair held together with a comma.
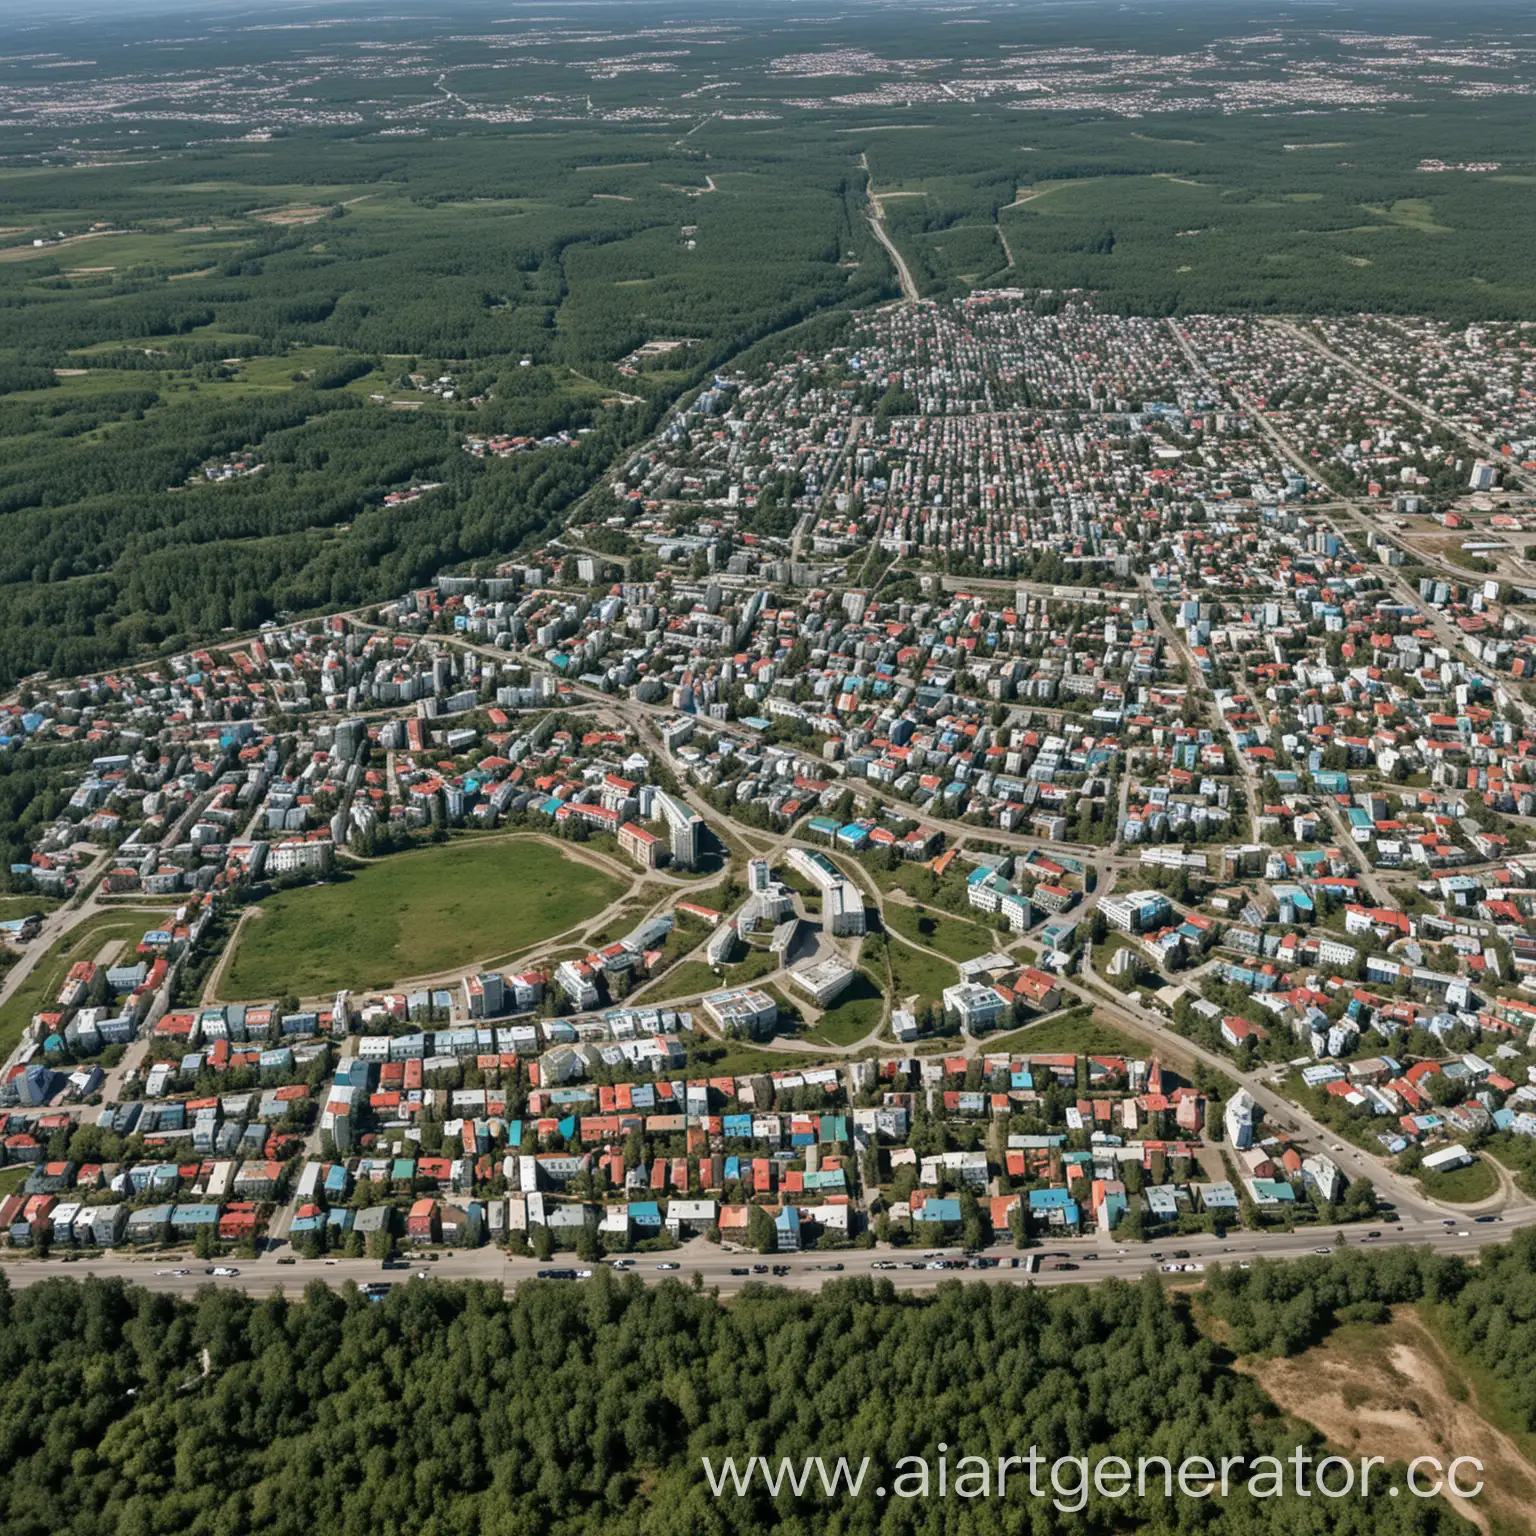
x: 759, y: 1269
x: 583, y: 1274
x: 669, y: 1266
x: 936, y: 1254
x: 1485, y: 1218
x: 882, y: 1264
x: 1013, y: 1263
x: 1170, y: 1269
x: 557, y: 1274
x: 1372, y: 1237
x: 181, y: 1271
x: 1463, y: 1234
x: 937, y: 1264
x: 1157, y: 1253
x: 827, y: 1266
x: 288, y: 1258
x: 1065, y: 1264
x: 223, y: 1271
x: 1450, y: 1221
x: 332, y: 1261
x: 1181, y: 1253
x: 161, y: 1273
x: 621, y: 1263
x: 1244, y: 1264
x: 736, y: 1270
x: 781, y: 1269
x: 1322, y: 1250
x: 1090, y: 1256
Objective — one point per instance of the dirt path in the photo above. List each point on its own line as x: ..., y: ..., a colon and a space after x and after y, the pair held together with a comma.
x: 1391, y: 1391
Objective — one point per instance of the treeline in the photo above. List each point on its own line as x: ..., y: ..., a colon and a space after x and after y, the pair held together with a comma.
x: 573, y: 1409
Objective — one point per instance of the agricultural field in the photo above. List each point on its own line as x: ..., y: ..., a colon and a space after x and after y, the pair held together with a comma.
x: 414, y: 915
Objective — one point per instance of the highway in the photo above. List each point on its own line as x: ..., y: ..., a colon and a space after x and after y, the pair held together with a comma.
x: 806, y: 1271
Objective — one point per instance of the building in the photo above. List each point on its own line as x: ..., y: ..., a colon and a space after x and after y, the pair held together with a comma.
x: 645, y: 848
x: 742, y: 1011
x: 825, y: 981
x: 685, y: 828
x: 979, y: 1008
x: 1444, y: 1159
x: 842, y: 903
x: 1239, y: 1118
x: 485, y: 995
x: 1136, y: 911
x: 307, y: 855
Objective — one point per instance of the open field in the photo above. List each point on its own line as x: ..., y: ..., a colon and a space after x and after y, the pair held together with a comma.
x: 1068, y: 1032
x: 415, y: 914
x: 919, y: 975
x: 1462, y: 1186
x: 853, y: 1016
x: 952, y: 936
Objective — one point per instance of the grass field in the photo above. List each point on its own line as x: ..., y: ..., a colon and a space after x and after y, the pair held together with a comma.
x: 1069, y: 1032
x: 915, y: 974
x: 12, y: 907
x: 951, y: 936
x: 414, y: 915
x: 83, y: 943
x: 854, y: 1014
x: 1462, y: 1186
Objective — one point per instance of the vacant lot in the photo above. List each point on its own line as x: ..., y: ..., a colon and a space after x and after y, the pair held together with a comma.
x: 951, y: 936
x: 416, y: 914
x: 1462, y: 1186
x: 919, y: 975
x: 1392, y: 1390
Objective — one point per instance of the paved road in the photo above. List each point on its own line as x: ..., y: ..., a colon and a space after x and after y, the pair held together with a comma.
x: 807, y: 1271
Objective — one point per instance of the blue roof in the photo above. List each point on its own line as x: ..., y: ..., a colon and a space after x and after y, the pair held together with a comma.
x: 1049, y: 1199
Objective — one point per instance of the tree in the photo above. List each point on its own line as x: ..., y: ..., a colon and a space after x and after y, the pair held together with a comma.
x: 760, y: 1232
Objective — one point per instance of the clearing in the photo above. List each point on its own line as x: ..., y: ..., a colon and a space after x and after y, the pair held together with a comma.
x: 417, y: 914
x: 1393, y: 1390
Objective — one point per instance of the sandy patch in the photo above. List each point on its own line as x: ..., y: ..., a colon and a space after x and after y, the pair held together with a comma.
x: 1391, y: 1391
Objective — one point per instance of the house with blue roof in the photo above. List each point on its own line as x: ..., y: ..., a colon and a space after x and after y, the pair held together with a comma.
x: 786, y: 1229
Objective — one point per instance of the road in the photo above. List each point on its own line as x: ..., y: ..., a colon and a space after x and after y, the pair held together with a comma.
x: 807, y: 1271
x: 876, y: 217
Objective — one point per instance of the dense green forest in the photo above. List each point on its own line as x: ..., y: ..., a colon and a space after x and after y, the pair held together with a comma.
x: 447, y: 1408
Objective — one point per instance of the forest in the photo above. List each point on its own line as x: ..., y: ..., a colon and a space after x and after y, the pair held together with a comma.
x: 568, y: 1408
